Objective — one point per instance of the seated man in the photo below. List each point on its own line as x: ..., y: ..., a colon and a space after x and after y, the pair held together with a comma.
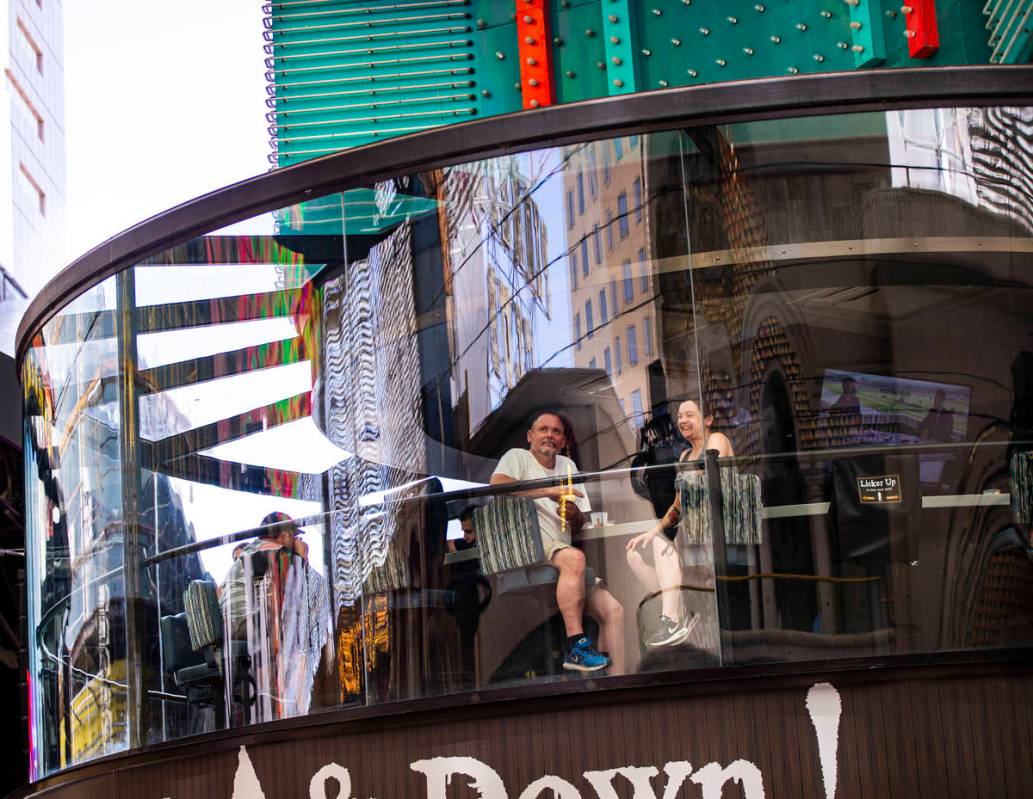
x: 542, y: 459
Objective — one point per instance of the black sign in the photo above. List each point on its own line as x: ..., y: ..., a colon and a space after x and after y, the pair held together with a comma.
x: 879, y: 490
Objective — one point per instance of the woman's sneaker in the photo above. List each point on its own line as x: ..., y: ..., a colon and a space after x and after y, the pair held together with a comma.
x: 583, y: 656
x: 670, y: 632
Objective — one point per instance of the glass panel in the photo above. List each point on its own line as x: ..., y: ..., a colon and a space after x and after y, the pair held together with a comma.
x: 76, y: 591
x: 782, y: 415
x: 864, y: 290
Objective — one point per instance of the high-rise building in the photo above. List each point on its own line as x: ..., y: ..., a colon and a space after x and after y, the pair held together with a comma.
x: 32, y: 156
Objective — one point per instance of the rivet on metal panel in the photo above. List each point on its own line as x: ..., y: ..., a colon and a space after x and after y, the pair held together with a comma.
x: 866, y: 32
x: 621, y: 46
x: 534, y: 43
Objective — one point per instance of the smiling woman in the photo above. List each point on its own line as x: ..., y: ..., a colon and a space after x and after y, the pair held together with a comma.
x: 819, y: 360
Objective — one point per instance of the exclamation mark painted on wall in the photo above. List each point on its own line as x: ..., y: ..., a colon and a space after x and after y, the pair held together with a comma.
x: 825, y: 708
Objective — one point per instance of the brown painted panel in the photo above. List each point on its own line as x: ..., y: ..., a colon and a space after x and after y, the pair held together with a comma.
x: 915, y: 735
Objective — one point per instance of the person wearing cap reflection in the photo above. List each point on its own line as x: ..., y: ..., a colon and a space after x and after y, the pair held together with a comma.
x: 296, y: 602
x: 561, y: 510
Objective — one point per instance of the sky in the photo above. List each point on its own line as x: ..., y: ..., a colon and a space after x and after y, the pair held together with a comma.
x: 163, y: 102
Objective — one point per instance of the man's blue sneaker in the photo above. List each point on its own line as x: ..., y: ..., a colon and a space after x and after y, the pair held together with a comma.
x: 583, y: 656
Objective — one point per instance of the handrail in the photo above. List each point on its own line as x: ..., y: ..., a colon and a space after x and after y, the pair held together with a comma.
x: 579, y: 477
x: 862, y: 90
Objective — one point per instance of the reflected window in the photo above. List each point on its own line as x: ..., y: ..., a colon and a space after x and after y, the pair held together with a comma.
x: 629, y: 284
x: 637, y: 196
x: 608, y: 361
x: 632, y: 345
x: 604, y: 317
x: 636, y: 407
x: 617, y: 354
x: 589, y: 322
x: 622, y: 214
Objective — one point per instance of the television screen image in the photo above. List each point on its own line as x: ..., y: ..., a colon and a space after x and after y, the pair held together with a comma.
x: 862, y: 408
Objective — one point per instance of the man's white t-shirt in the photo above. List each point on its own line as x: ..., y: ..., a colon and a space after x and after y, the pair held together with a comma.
x: 520, y: 464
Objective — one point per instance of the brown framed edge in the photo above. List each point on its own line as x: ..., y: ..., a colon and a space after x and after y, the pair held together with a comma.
x: 524, y: 700
x: 765, y: 98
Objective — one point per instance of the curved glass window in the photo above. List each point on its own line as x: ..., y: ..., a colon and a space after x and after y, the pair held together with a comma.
x: 411, y: 439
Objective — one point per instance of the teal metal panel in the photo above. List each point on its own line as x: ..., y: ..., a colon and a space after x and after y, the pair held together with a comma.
x: 620, y: 39
x: 693, y: 43
x: 867, y: 36
x: 346, y: 73
x: 1011, y: 30
x: 579, y: 57
x: 497, y: 62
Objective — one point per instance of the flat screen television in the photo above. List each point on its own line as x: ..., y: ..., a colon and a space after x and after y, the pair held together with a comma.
x: 870, y: 409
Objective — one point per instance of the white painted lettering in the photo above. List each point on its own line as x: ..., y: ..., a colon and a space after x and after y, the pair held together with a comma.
x: 245, y: 781
x: 712, y: 777
x: 561, y: 789
x: 440, y: 770
x: 638, y: 776
x: 825, y: 709
x: 331, y: 771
